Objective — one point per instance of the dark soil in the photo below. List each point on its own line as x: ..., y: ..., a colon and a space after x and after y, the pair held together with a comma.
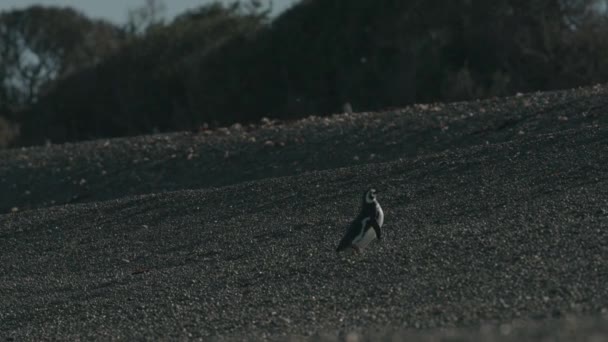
x: 114, y: 168
x: 496, y: 228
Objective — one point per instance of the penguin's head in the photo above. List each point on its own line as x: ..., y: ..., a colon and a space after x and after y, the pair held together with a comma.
x: 370, y: 196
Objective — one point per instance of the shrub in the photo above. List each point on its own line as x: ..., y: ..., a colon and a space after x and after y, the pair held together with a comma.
x: 8, y: 132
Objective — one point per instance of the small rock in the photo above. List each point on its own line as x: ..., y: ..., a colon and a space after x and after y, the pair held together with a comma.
x: 505, y: 329
x: 266, y: 121
x: 347, y: 108
x: 352, y: 337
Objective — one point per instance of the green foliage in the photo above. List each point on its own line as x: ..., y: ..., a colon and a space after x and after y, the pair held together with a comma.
x: 145, y: 18
x: 147, y: 86
x: 220, y: 65
x: 41, y: 44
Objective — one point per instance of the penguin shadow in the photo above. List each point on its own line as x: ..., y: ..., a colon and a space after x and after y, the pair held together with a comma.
x: 382, y: 252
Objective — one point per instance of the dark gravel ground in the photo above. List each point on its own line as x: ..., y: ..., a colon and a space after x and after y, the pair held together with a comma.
x: 498, y: 234
x: 114, y: 168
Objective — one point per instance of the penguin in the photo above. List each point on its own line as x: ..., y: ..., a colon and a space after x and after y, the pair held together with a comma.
x: 366, y: 227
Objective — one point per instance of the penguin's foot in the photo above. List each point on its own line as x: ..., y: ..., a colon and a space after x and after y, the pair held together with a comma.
x: 356, y: 250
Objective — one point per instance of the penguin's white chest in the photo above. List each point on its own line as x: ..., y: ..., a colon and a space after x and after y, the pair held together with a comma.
x: 380, y: 214
x: 365, y: 237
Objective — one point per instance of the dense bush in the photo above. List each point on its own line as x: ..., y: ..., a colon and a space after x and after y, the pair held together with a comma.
x: 42, y: 44
x: 221, y: 65
x: 147, y: 86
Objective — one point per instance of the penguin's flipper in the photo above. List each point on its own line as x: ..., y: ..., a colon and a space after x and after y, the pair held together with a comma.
x: 376, y: 227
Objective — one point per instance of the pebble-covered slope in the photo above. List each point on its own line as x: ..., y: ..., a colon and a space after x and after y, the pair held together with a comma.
x: 114, y: 168
x: 492, y: 232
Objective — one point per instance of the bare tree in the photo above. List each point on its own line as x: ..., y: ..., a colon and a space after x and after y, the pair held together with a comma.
x: 143, y: 18
x: 41, y: 44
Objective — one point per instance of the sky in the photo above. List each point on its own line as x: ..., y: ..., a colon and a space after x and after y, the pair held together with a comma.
x: 116, y: 10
